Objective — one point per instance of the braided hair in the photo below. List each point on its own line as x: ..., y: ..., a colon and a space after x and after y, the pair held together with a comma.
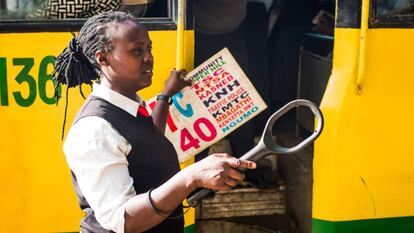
x: 76, y: 64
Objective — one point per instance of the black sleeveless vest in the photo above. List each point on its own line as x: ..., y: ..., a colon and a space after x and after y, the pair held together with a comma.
x: 152, y: 160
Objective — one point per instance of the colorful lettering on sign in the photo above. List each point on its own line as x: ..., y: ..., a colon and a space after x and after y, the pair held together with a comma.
x: 188, y: 111
x: 208, y: 134
x: 26, y: 80
x: 170, y: 123
x: 240, y: 119
x: 208, y: 125
x: 203, y: 128
x: 187, y: 140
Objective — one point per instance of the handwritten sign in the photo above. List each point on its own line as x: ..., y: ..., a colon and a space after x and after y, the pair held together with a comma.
x: 220, y: 100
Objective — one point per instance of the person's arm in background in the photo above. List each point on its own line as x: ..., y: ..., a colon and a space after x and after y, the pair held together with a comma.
x: 52, y: 9
x: 105, y: 5
x: 173, y: 85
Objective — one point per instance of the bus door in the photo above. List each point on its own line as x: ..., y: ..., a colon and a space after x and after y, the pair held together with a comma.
x: 363, y: 165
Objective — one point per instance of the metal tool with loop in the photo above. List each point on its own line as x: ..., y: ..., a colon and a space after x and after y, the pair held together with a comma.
x: 267, y: 145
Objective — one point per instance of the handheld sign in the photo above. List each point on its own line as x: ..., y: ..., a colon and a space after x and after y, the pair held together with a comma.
x: 220, y: 99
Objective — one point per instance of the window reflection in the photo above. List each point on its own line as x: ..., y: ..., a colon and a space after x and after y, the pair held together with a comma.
x: 388, y: 8
x: 17, y: 9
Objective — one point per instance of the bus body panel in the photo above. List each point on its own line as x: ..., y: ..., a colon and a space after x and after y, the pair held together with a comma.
x: 37, y: 194
x: 363, y: 166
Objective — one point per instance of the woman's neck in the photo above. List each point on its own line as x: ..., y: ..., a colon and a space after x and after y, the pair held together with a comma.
x: 127, y: 93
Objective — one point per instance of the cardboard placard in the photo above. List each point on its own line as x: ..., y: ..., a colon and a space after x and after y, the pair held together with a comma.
x: 220, y: 100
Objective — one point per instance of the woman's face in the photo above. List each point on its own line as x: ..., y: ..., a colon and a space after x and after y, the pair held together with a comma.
x: 130, y: 61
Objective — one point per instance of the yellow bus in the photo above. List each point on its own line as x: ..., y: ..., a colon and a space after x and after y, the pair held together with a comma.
x: 358, y: 178
x: 36, y: 192
x: 363, y: 165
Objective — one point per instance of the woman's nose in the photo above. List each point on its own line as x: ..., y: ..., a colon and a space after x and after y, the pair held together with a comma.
x: 148, y: 56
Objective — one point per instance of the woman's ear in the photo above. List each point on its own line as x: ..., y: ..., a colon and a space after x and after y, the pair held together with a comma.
x: 102, y: 58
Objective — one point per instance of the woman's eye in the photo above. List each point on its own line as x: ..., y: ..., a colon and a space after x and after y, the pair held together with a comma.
x: 138, y: 51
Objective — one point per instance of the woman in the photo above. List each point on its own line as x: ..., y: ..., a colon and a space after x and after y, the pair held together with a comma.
x: 125, y: 172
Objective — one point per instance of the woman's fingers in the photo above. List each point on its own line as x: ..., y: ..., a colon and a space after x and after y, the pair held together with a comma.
x: 181, y: 76
x: 223, y: 187
x: 239, y: 163
x: 188, y: 82
x: 226, y: 184
x: 183, y: 71
x: 235, y: 162
x: 222, y: 155
x: 225, y: 170
x: 230, y: 182
x: 236, y: 174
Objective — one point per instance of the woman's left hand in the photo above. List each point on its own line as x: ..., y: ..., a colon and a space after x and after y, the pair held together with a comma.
x: 175, y: 82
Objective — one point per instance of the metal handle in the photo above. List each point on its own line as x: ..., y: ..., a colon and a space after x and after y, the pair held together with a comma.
x: 267, y: 138
x: 195, y: 199
x: 267, y: 145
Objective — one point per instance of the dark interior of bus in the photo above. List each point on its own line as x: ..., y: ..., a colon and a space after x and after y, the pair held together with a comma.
x: 289, y: 48
x: 289, y: 56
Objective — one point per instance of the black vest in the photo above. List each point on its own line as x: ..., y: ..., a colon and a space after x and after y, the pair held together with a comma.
x: 152, y: 159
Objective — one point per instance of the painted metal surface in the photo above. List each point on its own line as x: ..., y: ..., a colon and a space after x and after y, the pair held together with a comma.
x: 363, y: 160
x: 36, y: 191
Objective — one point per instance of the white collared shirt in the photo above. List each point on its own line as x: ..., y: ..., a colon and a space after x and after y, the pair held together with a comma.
x: 96, y: 153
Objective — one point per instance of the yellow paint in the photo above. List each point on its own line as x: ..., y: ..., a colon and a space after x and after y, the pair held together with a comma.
x: 36, y: 192
x: 180, y: 35
x: 367, y: 137
x: 362, y: 46
x: 189, y: 217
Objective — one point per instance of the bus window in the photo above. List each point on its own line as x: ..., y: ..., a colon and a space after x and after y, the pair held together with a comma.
x: 70, y: 15
x: 392, y: 13
x: 390, y: 8
x: 16, y: 9
x: 70, y: 9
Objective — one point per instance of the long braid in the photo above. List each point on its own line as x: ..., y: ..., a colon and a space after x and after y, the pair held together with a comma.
x: 76, y: 64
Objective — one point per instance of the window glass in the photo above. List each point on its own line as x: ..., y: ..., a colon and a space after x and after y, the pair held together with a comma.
x: 395, y: 8
x: 78, y: 9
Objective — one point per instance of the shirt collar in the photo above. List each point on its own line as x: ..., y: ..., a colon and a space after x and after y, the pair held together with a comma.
x: 117, y: 99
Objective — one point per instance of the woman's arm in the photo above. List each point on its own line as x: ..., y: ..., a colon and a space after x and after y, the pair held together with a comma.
x: 173, y: 85
x: 217, y: 172
x: 96, y: 153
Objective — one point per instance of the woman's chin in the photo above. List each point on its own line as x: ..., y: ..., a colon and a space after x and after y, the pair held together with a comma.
x: 146, y: 79
x: 149, y: 82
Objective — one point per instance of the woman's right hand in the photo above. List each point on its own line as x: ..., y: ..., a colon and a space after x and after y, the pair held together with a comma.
x: 175, y: 82
x: 219, y: 171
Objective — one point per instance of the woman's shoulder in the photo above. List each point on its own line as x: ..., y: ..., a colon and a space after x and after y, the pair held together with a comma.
x: 93, y: 133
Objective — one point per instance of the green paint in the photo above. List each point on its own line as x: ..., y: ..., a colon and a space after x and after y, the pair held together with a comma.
x: 24, y: 76
x: 383, y: 225
x: 44, y: 77
x: 4, y: 96
x: 190, y: 229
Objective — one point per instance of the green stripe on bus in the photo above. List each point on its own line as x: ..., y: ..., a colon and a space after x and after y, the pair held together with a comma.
x: 190, y: 229
x: 382, y: 225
